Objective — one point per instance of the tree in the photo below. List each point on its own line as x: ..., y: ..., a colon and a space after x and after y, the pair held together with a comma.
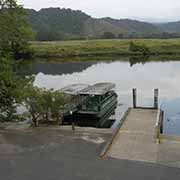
x: 14, y: 30
x: 33, y: 102
x: 10, y: 85
x: 58, y: 105
x: 44, y: 105
x: 14, y: 33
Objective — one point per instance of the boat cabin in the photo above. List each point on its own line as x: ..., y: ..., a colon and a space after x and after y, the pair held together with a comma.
x: 98, y: 97
x: 91, y: 105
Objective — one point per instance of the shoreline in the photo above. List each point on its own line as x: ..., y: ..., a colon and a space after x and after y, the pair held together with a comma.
x: 86, y: 49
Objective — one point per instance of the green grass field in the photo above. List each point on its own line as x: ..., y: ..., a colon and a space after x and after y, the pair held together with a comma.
x: 103, y: 48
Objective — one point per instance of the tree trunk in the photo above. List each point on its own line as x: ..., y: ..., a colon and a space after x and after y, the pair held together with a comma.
x: 34, y: 119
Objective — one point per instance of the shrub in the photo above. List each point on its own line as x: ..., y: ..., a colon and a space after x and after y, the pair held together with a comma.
x: 44, y: 105
x: 139, y: 48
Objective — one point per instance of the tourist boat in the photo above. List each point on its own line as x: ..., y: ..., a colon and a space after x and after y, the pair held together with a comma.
x: 96, y: 104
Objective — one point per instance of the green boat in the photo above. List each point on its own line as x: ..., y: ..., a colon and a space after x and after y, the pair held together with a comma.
x: 98, y: 103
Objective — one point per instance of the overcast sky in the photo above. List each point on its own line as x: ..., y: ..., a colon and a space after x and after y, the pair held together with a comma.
x: 148, y: 10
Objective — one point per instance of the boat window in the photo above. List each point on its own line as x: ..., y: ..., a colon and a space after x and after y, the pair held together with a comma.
x: 91, y: 104
x: 83, y: 107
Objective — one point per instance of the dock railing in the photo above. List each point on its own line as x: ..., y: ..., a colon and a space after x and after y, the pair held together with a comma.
x: 159, y: 118
x: 156, y: 96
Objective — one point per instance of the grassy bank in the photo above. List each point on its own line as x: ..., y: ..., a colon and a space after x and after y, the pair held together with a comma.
x: 104, y: 48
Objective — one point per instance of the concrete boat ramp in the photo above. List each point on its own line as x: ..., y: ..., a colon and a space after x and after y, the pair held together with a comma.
x: 135, y: 139
x: 138, y: 138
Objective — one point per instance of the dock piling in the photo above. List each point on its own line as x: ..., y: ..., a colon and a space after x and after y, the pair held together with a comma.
x: 134, y: 97
x: 156, y: 97
x: 156, y: 94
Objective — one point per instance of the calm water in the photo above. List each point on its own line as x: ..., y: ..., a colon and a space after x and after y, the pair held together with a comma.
x: 145, y: 77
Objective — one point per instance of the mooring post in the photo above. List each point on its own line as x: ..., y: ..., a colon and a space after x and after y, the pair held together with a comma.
x: 73, y: 126
x: 162, y: 118
x: 156, y: 94
x: 72, y: 121
x: 134, y: 97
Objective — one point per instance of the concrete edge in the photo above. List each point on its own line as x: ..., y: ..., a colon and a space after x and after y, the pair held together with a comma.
x: 110, y: 142
x: 58, y: 127
x: 150, y: 108
x: 159, y: 126
x: 80, y: 129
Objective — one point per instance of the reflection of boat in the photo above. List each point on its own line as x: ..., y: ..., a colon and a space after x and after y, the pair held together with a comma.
x: 96, y: 104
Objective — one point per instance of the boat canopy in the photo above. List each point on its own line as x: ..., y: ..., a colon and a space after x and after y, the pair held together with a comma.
x: 74, y: 89
x: 97, y: 89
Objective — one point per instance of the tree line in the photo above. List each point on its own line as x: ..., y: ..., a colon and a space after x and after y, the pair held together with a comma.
x: 163, y: 35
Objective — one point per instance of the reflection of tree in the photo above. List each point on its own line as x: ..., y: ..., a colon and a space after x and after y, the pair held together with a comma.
x: 138, y: 59
x: 53, y: 68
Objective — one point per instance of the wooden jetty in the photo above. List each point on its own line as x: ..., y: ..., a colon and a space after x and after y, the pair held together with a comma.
x: 138, y: 134
x: 136, y: 139
x: 139, y: 137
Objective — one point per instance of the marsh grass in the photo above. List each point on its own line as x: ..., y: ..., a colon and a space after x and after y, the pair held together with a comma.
x: 104, y: 48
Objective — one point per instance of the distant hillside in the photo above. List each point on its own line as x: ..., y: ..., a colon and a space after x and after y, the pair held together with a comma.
x: 56, y: 23
x: 135, y: 27
x: 172, y: 27
x: 63, y: 24
x: 95, y: 28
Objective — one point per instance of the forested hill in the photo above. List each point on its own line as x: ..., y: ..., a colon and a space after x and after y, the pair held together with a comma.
x: 63, y: 24
x: 56, y: 23
x: 172, y: 27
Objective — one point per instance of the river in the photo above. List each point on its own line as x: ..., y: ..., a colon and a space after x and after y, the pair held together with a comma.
x: 143, y: 76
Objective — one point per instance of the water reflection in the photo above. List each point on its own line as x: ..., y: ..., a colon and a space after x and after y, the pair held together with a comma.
x: 145, y: 77
x: 172, y: 116
x: 138, y: 59
x: 53, y: 68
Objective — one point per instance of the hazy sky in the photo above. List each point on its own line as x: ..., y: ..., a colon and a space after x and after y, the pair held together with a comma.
x: 149, y: 10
